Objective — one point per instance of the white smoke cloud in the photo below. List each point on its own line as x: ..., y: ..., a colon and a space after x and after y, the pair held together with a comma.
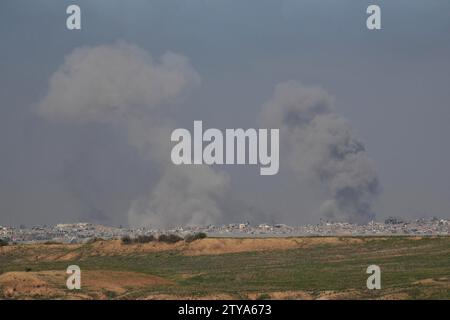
x: 319, y: 144
x: 110, y: 82
x: 123, y: 85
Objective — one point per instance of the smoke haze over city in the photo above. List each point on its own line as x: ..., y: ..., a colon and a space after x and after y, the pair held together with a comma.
x: 86, y: 116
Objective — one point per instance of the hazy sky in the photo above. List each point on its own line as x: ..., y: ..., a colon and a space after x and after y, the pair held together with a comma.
x: 392, y: 85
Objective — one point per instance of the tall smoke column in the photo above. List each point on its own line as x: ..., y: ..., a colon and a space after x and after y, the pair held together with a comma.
x: 122, y: 85
x: 317, y: 143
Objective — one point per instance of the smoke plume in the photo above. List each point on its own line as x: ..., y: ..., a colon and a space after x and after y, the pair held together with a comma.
x: 319, y: 144
x: 192, y: 196
x: 123, y: 85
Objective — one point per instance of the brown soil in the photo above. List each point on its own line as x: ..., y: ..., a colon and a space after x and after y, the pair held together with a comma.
x: 434, y: 282
x: 30, y: 284
x: 209, y: 246
x: 212, y: 246
x: 219, y: 296
x: 341, y: 295
x: 51, y: 284
x: 283, y: 295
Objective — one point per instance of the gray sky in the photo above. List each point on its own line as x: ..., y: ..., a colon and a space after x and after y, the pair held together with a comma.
x: 392, y: 86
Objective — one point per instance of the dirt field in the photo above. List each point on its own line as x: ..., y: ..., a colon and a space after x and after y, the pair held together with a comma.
x: 231, y: 268
x: 209, y: 246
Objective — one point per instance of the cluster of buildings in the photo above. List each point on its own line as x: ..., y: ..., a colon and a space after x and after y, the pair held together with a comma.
x: 391, y: 226
x: 84, y: 232
x: 65, y: 233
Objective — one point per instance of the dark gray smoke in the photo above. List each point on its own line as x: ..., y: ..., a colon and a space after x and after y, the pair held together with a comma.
x: 318, y: 144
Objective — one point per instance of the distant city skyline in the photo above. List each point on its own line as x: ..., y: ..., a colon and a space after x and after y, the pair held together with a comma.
x: 87, y: 232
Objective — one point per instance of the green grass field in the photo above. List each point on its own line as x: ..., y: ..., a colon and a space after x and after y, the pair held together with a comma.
x: 410, y: 269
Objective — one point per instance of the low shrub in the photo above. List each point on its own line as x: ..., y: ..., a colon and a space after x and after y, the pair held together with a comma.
x: 138, y: 239
x: 195, y: 236
x: 126, y: 240
x: 144, y: 239
x: 3, y: 243
x: 169, y: 238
